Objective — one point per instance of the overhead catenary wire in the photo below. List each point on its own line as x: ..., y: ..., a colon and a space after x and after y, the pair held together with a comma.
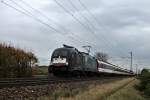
x: 91, y: 24
x: 97, y: 21
x: 90, y: 30
x: 84, y: 17
x: 73, y: 16
x: 42, y: 14
x: 82, y: 24
x: 93, y: 27
x: 29, y: 14
x: 81, y: 14
x: 55, y: 22
x: 18, y: 10
x: 37, y: 18
x: 50, y: 20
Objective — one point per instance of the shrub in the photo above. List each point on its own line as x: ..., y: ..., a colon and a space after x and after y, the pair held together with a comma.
x: 145, y: 81
x: 147, y: 90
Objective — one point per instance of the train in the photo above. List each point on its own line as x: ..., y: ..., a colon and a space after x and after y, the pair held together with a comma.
x: 69, y: 61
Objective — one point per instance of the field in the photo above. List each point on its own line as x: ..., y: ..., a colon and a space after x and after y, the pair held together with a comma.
x: 40, y: 71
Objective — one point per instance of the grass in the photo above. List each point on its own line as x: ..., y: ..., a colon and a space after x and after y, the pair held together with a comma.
x: 69, y: 90
x: 40, y: 71
x: 64, y: 93
x: 100, y: 92
x: 40, y: 76
x: 127, y: 93
x: 120, y: 90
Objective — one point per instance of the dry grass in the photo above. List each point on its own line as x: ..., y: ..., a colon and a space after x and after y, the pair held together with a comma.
x: 101, y: 92
x: 69, y: 89
x: 127, y: 93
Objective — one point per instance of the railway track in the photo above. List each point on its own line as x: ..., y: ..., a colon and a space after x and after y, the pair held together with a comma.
x: 17, y: 82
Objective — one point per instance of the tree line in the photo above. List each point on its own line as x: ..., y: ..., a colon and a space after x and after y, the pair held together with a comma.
x: 15, y: 62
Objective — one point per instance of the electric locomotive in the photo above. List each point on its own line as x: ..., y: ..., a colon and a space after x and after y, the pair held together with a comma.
x: 68, y: 60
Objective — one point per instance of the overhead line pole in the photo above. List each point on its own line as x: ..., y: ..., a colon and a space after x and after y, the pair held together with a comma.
x: 131, y: 60
x: 136, y: 69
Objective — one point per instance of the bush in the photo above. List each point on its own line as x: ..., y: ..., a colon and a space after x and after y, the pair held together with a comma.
x: 147, y: 90
x: 145, y: 81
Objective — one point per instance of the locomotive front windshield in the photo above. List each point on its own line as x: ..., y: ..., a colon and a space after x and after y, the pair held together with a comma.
x: 61, y: 53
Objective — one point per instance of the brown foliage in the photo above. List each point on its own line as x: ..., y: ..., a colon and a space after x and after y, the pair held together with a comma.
x: 15, y: 62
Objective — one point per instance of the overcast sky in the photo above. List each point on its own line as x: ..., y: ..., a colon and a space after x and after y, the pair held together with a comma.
x: 116, y: 27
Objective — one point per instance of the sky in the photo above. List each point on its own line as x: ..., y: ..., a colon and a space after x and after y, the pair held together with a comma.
x: 115, y: 27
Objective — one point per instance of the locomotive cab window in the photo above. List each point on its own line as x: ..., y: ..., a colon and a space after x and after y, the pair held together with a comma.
x: 62, y: 53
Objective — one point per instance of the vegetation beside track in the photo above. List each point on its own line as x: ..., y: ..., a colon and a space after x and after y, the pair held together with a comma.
x: 144, y: 85
x: 95, y: 91
x: 15, y: 62
x: 100, y: 92
x: 129, y: 92
x: 40, y: 71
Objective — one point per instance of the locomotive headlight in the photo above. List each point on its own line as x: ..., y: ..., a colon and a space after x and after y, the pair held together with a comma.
x: 67, y: 63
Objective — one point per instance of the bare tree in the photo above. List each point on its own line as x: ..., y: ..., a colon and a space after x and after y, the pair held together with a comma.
x: 101, y: 56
